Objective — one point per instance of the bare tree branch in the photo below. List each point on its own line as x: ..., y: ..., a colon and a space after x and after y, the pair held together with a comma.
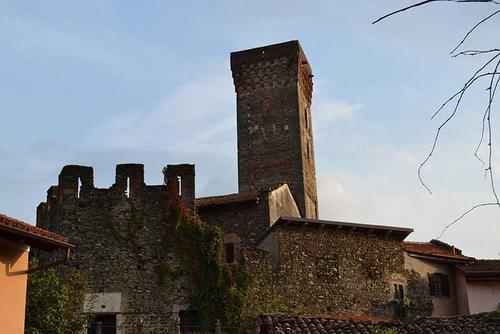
x: 474, y: 52
x: 460, y: 95
x: 484, y: 71
x: 473, y: 28
x: 463, y: 215
x: 424, y: 3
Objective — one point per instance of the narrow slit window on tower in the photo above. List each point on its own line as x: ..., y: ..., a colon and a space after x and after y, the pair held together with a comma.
x: 306, y: 118
x: 79, y: 188
x: 127, y: 190
x: 179, y: 180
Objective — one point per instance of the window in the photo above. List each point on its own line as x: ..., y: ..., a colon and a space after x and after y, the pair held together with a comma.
x: 439, y: 285
x: 399, y: 297
x: 229, y: 253
x: 103, y: 324
x: 79, y: 189
x: 127, y: 190
x: 189, y: 321
x: 306, y: 118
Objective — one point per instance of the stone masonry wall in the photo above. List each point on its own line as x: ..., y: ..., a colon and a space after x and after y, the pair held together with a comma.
x: 249, y: 220
x: 338, y: 272
x: 120, y: 236
x: 273, y: 88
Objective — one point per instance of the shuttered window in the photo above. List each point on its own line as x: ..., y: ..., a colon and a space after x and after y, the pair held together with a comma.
x: 439, y: 285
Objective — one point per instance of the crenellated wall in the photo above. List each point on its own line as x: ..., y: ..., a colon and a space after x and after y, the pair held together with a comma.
x: 121, y: 238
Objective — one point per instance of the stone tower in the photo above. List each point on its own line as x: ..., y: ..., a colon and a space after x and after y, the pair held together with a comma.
x: 275, y: 142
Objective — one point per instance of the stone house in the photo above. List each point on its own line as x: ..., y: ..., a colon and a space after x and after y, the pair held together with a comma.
x: 437, y: 263
x: 331, y: 267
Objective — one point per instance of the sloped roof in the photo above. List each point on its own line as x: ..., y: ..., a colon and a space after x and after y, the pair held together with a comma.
x: 250, y: 196
x: 482, y: 269
x: 435, y: 249
x: 481, y: 323
x: 16, y: 230
x: 241, y: 197
x: 392, y: 232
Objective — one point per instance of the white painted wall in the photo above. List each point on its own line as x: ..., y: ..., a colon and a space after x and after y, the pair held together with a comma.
x: 104, y: 302
x: 484, y: 296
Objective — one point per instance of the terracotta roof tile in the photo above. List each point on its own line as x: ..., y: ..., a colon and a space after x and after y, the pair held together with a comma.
x: 435, y: 249
x: 13, y: 226
x: 482, y: 268
x: 480, y: 323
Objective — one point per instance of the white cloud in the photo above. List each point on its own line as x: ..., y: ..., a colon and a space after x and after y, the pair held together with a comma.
x: 197, y: 116
x: 405, y: 157
x: 332, y: 110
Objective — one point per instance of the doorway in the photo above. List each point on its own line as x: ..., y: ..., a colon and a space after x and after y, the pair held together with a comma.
x: 103, y: 324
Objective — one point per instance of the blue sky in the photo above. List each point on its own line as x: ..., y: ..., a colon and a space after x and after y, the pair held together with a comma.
x: 105, y: 82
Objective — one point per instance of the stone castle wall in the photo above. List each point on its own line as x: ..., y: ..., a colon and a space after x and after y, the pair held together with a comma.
x: 249, y: 220
x: 120, y: 236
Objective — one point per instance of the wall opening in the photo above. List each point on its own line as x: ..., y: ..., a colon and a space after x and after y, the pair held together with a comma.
x: 399, y: 297
x: 127, y: 190
x: 189, y: 321
x: 179, y: 185
x: 306, y: 118
x: 103, y: 324
x: 229, y: 253
x: 439, y: 285
x: 79, y: 188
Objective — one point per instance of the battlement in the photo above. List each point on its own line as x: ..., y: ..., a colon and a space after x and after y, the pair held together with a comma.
x: 76, y: 184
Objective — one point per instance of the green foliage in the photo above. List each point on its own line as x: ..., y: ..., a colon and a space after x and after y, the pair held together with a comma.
x: 408, y: 303
x: 218, y: 290
x: 495, y: 315
x: 384, y: 330
x: 53, y: 302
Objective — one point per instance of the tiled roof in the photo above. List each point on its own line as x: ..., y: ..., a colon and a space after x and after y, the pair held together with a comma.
x: 12, y: 228
x: 250, y: 196
x: 479, y: 323
x: 482, y: 269
x: 436, y: 249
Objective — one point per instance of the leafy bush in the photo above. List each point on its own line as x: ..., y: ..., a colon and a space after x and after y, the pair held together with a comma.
x: 53, y: 302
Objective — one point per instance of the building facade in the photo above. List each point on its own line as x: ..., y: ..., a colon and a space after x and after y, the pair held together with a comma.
x: 298, y: 263
x: 16, y: 240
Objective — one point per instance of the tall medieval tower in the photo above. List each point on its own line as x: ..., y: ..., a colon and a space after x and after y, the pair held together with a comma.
x: 275, y: 140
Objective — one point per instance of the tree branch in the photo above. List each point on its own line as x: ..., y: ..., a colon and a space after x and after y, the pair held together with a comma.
x: 465, y: 214
x: 425, y: 3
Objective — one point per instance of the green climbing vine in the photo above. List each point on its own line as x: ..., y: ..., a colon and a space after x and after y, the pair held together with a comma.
x: 218, y: 290
x: 129, y: 238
